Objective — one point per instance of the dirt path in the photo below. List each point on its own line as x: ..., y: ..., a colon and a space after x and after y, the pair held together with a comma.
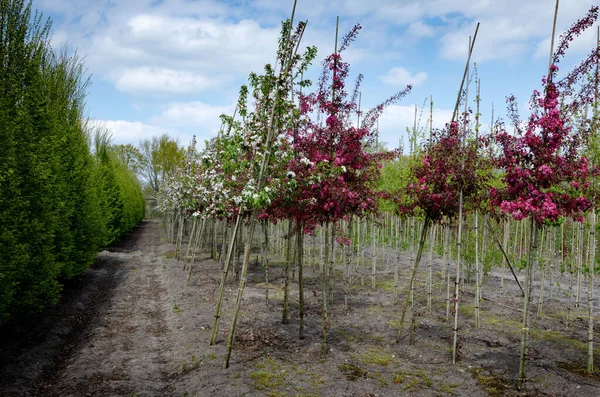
x: 130, y: 327
x: 128, y: 345
x: 109, y: 335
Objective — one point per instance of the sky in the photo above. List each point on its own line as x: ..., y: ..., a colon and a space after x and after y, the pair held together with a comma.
x: 173, y: 66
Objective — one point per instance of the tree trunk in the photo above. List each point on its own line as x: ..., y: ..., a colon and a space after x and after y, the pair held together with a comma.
x: 288, y: 265
x: 300, y: 257
x: 324, y: 323
x: 524, y: 350
x: 457, y: 280
x: 242, y: 285
x: 217, y: 316
x: 591, y: 269
x: 413, y: 275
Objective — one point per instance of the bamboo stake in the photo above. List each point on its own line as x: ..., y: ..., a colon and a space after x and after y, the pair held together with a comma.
x: 477, y: 264
x: 373, y: 256
x: 217, y: 316
x: 324, y: 323
x: 300, y: 257
x: 413, y: 274
x: 288, y: 265
x: 197, y: 242
x: 429, y: 269
x: 524, y: 349
x: 191, y: 239
x: 591, y: 269
x: 592, y: 261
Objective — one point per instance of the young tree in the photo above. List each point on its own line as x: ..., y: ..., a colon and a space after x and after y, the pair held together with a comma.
x: 545, y: 174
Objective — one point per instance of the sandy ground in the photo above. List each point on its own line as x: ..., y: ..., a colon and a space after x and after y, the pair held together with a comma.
x: 130, y: 327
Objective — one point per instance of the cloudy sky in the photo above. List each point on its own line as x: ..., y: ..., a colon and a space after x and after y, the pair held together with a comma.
x: 173, y: 66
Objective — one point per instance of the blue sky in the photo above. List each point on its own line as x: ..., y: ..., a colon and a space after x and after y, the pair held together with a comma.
x: 173, y: 66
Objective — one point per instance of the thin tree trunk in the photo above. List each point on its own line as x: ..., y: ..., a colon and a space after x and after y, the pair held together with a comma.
x: 196, y: 243
x: 213, y: 251
x: 579, y: 264
x: 591, y: 269
x: 447, y: 261
x: 457, y: 280
x: 504, y: 244
x: 429, y: 270
x: 265, y: 262
x: 413, y: 275
x: 288, y: 265
x: 217, y: 316
x: 300, y: 257
x: 179, y: 237
x: 242, y: 285
x: 548, y: 269
x: 324, y: 323
x: 524, y: 350
x: 477, y: 271
x: 191, y: 239
x: 373, y: 257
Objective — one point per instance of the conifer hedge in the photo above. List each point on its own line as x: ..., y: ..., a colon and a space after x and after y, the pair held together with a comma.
x: 60, y: 203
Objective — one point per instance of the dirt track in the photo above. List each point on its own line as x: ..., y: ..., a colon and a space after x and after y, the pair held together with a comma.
x: 129, y: 327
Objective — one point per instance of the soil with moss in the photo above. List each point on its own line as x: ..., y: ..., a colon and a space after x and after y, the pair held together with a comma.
x: 130, y: 326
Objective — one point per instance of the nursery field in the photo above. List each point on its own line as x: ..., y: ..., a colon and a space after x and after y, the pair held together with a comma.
x: 129, y: 326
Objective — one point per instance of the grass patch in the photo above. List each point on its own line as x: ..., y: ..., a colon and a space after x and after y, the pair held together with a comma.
x: 466, y: 310
x: 493, y: 385
x: 387, y: 285
x: 377, y: 356
x: 269, y: 376
x: 176, y: 308
x: 266, y: 379
x: 579, y: 369
x: 379, y: 378
x: 560, y: 337
x: 352, y: 371
x: 398, y: 377
x: 168, y: 254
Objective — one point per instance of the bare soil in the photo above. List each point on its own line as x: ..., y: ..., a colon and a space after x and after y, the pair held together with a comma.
x: 130, y: 327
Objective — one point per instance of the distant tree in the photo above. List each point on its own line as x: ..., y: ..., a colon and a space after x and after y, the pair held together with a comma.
x: 160, y: 157
x: 129, y: 155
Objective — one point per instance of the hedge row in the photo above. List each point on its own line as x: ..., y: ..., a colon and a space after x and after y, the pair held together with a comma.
x: 59, y: 202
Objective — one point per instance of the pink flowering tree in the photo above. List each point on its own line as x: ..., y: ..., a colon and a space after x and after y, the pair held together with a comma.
x: 546, y: 177
x: 450, y: 172
x: 331, y: 175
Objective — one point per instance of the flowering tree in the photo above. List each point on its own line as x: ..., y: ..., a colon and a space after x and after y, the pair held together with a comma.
x: 331, y: 175
x: 450, y: 171
x: 261, y: 130
x: 546, y: 177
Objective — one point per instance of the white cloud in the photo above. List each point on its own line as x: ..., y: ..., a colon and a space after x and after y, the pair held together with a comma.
x: 148, y: 79
x: 193, y: 114
x: 203, y: 45
x: 129, y: 131
x: 420, y: 29
x: 582, y: 44
x: 402, y: 77
x: 397, y: 118
x: 506, y: 34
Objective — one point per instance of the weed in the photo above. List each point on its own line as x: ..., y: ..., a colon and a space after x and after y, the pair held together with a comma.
x: 379, y: 378
x: 269, y: 376
x: 493, y: 385
x: 412, y: 383
x: 266, y: 379
x: 377, y: 356
x: 352, y: 371
x: 398, y: 378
